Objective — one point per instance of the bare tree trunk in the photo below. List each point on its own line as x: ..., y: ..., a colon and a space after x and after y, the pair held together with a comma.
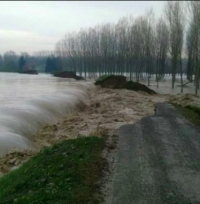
x: 197, y: 76
x: 181, y: 69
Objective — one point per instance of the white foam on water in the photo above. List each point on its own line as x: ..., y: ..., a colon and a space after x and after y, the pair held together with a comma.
x: 10, y: 140
x: 19, y: 122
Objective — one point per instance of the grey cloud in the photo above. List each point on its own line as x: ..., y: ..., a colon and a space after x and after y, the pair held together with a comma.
x: 51, y: 20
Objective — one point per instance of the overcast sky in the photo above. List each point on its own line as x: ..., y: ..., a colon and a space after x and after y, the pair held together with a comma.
x: 29, y: 26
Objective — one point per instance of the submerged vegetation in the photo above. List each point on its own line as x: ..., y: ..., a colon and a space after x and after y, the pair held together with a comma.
x: 64, y: 173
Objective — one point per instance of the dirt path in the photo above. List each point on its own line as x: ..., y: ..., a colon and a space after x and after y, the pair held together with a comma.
x: 158, y: 161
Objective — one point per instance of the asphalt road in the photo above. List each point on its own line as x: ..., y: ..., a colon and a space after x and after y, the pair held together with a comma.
x: 158, y: 161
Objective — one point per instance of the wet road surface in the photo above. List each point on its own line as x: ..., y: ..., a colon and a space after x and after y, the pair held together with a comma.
x: 158, y: 160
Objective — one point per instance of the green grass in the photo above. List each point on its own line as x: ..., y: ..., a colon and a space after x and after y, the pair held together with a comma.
x: 195, y: 109
x: 192, y: 113
x: 63, y: 174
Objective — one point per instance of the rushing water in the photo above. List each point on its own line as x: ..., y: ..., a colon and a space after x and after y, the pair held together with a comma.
x: 29, y: 101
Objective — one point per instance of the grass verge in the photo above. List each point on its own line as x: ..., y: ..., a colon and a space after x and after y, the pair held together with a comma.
x: 192, y: 113
x: 66, y: 173
x: 195, y: 109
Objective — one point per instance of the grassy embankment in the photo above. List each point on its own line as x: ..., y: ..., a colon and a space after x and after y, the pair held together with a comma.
x: 66, y: 173
x: 192, y: 113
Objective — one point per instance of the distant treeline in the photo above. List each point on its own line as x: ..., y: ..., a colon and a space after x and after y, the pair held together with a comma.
x: 43, y: 61
x: 48, y: 62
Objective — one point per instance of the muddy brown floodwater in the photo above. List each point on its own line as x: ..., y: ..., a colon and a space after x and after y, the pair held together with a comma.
x: 105, y: 112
